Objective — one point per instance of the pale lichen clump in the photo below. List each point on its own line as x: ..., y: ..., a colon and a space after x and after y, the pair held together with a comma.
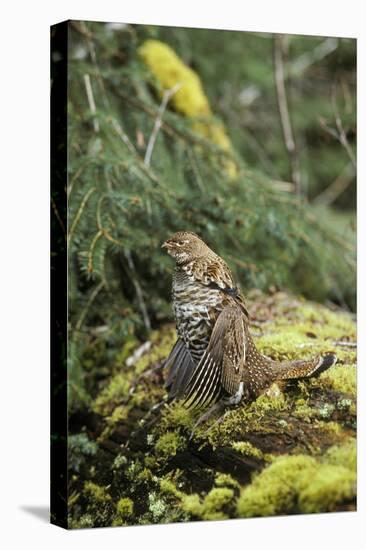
x: 189, y: 98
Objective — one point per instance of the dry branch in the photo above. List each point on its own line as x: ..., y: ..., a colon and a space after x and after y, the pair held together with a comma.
x: 279, y: 73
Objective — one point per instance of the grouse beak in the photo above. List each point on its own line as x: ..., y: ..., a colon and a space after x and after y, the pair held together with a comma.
x: 166, y: 245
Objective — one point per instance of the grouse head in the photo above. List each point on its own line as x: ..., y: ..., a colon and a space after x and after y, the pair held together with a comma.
x: 185, y: 246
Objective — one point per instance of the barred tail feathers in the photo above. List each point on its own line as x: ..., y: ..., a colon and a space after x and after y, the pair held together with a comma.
x: 304, y: 369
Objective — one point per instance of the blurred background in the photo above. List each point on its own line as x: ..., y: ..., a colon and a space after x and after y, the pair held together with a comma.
x: 247, y: 139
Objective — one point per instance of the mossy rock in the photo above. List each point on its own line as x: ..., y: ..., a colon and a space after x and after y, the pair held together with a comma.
x: 290, y: 451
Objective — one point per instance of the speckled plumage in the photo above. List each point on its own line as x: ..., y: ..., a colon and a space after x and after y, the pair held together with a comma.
x: 215, y: 357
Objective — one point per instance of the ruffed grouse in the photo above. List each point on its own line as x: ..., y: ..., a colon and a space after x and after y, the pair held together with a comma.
x: 215, y: 358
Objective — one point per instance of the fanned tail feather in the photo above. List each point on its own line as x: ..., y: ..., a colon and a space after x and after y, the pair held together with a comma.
x: 304, y: 369
x: 181, y: 367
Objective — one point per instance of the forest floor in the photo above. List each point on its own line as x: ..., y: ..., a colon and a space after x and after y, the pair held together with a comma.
x: 293, y: 450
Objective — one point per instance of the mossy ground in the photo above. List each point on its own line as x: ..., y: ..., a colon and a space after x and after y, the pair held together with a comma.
x: 291, y: 451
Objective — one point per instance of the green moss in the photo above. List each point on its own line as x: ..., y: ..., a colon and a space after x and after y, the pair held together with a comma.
x: 169, y: 444
x: 213, y: 505
x: 168, y: 487
x: 96, y: 493
x: 124, y: 508
x: 246, y: 448
x: 192, y: 505
x: 302, y: 420
x: 341, y: 378
x: 303, y: 410
x: 162, y: 343
x: 126, y: 351
x: 86, y: 521
x: 274, y: 490
x: 226, y: 480
x: 302, y: 483
x: 343, y: 455
x: 176, y: 416
x: 145, y: 475
x: 112, y: 394
x: 118, y: 415
x: 215, y: 501
x: 308, y: 330
x: 331, y: 485
x: 266, y: 403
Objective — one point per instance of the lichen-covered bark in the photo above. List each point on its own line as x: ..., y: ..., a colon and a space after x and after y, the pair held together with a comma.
x: 291, y: 451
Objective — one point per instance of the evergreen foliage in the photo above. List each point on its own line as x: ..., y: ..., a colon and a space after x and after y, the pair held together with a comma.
x: 121, y: 208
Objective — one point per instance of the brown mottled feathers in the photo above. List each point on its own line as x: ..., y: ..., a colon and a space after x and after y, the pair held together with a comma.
x: 222, y: 364
x: 215, y: 357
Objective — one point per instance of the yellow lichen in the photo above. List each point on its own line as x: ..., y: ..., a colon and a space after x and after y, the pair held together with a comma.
x: 170, y: 71
x: 189, y: 97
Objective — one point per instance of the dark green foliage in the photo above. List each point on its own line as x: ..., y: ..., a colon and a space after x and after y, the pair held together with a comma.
x: 121, y: 210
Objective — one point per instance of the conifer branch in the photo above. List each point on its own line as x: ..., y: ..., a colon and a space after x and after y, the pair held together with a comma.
x: 79, y: 213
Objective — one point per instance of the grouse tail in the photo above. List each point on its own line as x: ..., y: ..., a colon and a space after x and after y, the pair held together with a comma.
x: 304, y: 369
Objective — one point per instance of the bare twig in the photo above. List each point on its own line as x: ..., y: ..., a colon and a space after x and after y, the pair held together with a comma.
x: 93, y: 56
x: 304, y: 61
x: 138, y: 289
x: 90, y: 96
x: 336, y: 188
x: 342, y: 136
x: 158, y: 122
x: 122, y: 134
x: 126, y: 140
x: 285, y: 186
x: 139, y: 352
x: 346, y: 344
x: 288, y: 135
x: 339, y: 132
